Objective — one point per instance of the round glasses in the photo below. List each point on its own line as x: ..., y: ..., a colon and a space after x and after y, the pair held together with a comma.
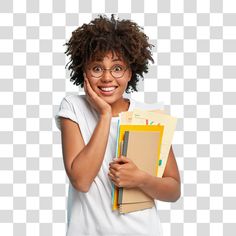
x: 116, y: 71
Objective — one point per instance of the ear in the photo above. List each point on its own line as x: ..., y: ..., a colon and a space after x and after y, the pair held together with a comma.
x: 130, y: 75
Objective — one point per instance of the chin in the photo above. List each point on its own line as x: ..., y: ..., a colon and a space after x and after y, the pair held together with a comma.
x: 109, y: 100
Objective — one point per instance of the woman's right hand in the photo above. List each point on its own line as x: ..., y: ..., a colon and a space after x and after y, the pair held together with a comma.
x: 102, y: 107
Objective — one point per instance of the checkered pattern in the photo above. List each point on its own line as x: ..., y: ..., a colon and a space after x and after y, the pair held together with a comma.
x: 194, y: 74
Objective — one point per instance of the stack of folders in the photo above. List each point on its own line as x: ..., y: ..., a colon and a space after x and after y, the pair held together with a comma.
x: 145, y: 137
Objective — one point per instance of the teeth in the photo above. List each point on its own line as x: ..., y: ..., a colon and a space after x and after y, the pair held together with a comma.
x: 108, y: 89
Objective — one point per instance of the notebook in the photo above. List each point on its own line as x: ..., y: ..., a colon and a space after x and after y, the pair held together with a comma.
x: 142, y: 148
x: 149, y: 130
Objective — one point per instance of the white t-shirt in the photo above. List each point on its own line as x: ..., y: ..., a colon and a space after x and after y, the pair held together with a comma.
x: 91, y: 213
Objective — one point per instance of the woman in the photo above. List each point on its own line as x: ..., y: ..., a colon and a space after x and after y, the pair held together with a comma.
x: 107, y: 57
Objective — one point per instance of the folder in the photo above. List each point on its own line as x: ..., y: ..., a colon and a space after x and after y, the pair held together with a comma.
x: 158, y: 117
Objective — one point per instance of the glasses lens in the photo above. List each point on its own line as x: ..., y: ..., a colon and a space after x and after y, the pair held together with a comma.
x: 118, y: 71
x: 96, y: 71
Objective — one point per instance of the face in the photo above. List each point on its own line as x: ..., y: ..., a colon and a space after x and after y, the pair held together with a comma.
x: 109, y: 77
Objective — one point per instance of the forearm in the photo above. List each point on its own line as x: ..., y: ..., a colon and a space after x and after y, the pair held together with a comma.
x: 87, y: 163
x: 164, y: 189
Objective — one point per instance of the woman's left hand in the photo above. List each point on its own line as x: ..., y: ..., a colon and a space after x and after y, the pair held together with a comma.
x: 124, y: 173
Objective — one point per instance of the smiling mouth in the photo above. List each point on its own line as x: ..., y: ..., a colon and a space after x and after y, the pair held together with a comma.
x: 107, y: 89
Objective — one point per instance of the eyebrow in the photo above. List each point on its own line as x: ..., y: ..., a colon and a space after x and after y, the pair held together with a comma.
x: 114, y: 60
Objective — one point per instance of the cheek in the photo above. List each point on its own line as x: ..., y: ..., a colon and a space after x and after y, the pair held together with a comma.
x: 123, y: 83
x: 95, y: 89
x: 92, y: 83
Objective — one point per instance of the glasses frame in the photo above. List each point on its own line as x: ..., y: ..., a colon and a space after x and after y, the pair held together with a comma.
x: 110, y: 70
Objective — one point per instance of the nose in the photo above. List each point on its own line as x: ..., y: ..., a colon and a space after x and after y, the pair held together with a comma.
x: 106, y: 77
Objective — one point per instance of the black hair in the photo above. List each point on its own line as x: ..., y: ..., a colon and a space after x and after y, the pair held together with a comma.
x: 93, y: 40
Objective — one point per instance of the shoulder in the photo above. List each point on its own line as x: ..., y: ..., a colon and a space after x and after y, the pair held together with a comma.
x: 76, y: 108
x: 75, y: 99
x: 80, y: 106
x: 73, y: 106
x: 75, y: 102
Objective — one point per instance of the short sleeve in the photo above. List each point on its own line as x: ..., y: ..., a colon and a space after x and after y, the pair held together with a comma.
x: 65, y: 110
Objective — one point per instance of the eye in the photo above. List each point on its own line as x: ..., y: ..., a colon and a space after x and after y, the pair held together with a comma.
x: 96, y: 69
x: 117, y: 68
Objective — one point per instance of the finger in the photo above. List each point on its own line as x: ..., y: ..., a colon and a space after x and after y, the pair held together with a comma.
x: 91, y: 95
x: 115, y: 161
x: 114, y: 166
x: 114, y: 179
x: 116, y: 182
x: 85, y: 77
x: 90, y: 90
x: 114, y: 172
x: 121, y: 160
x: 88, y: 87
x: 88, y: 84
x: 85, y: 87
x: 111, y: 176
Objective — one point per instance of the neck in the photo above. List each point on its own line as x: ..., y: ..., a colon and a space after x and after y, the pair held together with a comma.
x: 120, y: 106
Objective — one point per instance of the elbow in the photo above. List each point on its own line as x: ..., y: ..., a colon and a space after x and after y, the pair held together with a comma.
x: 177, y: 192
x: 176, y: 196
x: 81, y: 187
x: 175, y: 199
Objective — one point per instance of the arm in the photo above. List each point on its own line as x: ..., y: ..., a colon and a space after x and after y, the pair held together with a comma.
x: 166, y: 188
x: 82, y: 162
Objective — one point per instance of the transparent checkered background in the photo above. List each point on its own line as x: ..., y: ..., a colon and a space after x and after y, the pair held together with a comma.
x: 194, y: 75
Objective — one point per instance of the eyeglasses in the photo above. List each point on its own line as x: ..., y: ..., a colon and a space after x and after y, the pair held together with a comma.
x: 117, y: 71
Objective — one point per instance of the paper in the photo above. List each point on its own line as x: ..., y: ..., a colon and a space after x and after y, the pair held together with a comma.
x: 153, y: 118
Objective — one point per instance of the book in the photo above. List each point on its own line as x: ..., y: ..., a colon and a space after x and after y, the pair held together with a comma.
x: 148, y: 129
x: 142, y: 148
x: 131, y: 207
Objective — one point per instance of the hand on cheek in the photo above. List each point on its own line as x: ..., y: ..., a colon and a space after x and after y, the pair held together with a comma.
x: 95, y: 101
x: 87, y: 87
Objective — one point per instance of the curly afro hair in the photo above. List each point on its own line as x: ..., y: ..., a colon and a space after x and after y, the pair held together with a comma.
x: 102, y: 35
